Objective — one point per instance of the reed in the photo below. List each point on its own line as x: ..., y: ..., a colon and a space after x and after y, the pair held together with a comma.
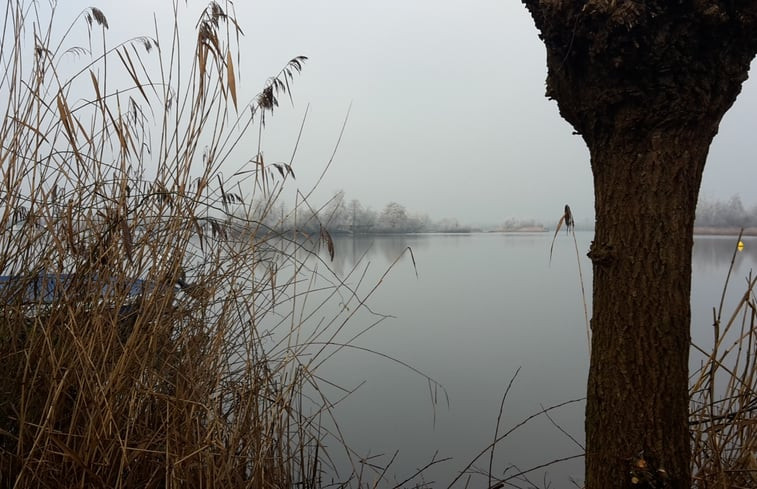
x: 724, y: 396
x: 570, y: 227
x: 149, y: 325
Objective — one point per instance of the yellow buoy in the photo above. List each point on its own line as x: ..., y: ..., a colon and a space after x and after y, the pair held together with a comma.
x: 740, y: 246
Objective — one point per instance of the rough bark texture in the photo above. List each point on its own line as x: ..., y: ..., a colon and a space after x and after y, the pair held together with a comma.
x: 646, y: 85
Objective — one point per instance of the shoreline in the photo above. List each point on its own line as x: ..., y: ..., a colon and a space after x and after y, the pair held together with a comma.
x: 730, y: 231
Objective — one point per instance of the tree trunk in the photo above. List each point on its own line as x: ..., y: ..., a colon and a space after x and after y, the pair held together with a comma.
x: 646, y: 185
x: 646, y: 85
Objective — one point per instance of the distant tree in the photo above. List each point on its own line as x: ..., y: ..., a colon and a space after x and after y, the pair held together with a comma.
x: 260, y: 215
x: 335, y: 215
x: 447, y: 225
x: 355, y: 208
x: 645, y: 84
x: 340, y: 215
x: 421, y: 223
x: 362, y: 220
x: 725, y: 214
x: 513, y: 224
x: 393, y: 218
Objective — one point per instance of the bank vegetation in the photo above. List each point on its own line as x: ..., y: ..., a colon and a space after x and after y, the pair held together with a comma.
x: 142, y: 344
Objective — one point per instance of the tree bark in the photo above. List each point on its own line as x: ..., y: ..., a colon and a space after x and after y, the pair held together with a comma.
x: 637, y: 401
x: 646, y: 85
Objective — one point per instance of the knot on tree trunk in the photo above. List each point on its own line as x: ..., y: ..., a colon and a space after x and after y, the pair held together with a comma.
x: 646, y: 472
x: 601, y: 254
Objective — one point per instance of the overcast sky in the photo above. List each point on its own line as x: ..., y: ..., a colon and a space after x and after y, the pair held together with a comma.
x: 448, y: 109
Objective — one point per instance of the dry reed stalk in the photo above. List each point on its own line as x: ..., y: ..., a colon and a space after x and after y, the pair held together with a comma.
x: 570, y: 227
x: 141, y: 332
x: 724, y: 398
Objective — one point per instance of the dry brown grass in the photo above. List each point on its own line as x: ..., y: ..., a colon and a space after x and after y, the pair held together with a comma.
x: 724, y: 398
x: 168, y: 352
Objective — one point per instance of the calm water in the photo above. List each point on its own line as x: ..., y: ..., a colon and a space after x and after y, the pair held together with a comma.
x: 481, y: 307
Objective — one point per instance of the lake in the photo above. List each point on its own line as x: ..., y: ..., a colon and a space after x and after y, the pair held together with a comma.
x: 474, y: 310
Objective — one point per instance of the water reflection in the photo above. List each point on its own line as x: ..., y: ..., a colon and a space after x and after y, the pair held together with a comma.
x: 351, y: 250
x: 482, y: 306
x: 711, y: 261
x: 715, y: 252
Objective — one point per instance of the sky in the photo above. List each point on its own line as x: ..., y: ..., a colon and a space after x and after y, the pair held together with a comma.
x: 448, y: 115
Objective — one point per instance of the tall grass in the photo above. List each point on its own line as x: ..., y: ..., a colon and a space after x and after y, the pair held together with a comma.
x: 148, y: 326
x: 723, y: 415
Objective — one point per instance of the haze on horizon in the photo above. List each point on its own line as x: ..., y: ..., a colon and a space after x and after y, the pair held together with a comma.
x: 448, y: 115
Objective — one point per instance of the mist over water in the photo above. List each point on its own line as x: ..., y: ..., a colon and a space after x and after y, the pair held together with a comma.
x: 481, y: 307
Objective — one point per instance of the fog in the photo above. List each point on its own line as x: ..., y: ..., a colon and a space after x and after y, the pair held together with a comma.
x: 731, y: 213
x: 448, y: 114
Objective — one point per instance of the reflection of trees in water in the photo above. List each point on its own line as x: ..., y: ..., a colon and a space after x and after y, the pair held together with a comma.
x: 708, y: 251
x: 717, y: 251
x: 350, y: 250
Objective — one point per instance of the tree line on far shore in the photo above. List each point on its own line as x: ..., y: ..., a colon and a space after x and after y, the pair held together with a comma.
x: 725, y: 214
x: 340, y: 215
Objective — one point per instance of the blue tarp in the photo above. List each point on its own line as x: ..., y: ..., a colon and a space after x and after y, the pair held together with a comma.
x: 46, y: 287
